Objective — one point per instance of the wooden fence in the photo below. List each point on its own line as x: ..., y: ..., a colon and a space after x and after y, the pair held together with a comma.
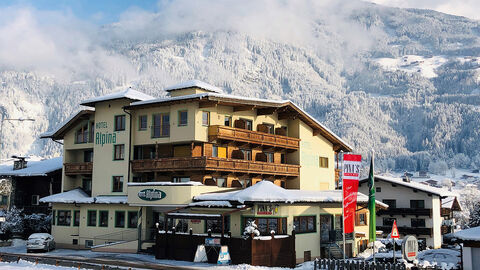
x: 329, y: 264
x: 278, y: 252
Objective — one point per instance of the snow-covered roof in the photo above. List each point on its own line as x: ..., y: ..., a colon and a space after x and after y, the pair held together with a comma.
x: 451, y: 202
x: 36, y: 166
x: 79, y: 196
x: 442, y: 192
x: 127, y: 93
x: 472, y: 234
x: 190, y: 183
x: 211, y: 204
x: 266, y: 191
x: 65, y: 124
x: 194, y: 84
x: 247, y: 100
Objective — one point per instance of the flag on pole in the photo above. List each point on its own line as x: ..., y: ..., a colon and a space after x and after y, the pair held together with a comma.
x: 371, y: 204
x: 351, y: 175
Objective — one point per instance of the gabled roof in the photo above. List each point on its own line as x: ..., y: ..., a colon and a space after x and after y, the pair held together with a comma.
x: 35, y: 167
x: 266, y: 191
x: 451, y: 202
x: 59, y: 132
x: 128, y: 93
x: 194, y: 84
x: 79, y: 196
x: 266, y: 106
x: 413, y: 185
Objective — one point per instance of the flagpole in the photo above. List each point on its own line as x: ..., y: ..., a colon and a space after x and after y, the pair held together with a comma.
x: 343, y: 204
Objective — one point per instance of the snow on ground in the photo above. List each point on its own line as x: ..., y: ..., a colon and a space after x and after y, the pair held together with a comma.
x: 447, y: 258
x: 425, y: 66
x: 24, y: 265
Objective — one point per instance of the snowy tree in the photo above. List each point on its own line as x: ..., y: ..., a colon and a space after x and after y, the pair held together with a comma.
x: 474, y: 220
x: 13, y: 222
x: 37, y: 223
x: 251, y: 228
x: 438, y: 167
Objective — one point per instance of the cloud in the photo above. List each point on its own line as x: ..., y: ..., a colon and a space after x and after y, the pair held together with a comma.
x: 466, y: 8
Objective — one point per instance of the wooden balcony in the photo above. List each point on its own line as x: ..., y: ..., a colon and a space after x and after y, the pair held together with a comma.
x: 405, y: 212
x: 252, y: 137
x: 214, y: 164
x: 78, y: 168
x: 407, y: 230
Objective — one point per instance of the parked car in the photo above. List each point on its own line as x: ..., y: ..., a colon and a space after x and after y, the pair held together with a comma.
x: 40, y: 241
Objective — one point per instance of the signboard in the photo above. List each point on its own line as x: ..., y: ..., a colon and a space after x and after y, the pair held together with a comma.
x: 410, y: 248
x: 215, y: 242
x: 151, y: 194
x: 395, y: 233
x: 224, y: 256
x: 350, y: 177
x: 200, y: 254
x: 267, y: 209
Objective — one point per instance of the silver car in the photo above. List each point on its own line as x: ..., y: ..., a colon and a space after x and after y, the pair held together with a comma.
x: 40, y: 241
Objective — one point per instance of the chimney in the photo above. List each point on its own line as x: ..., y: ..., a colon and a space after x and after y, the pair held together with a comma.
x: 20, y: 163
x: 405, y: 178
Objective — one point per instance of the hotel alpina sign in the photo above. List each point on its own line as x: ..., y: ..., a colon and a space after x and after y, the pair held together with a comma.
x: 151, y: 194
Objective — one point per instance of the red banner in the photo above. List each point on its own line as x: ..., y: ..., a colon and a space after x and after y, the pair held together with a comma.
x: 350, y: 177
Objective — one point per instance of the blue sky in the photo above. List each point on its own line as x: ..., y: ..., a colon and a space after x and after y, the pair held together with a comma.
x: 96, y: 11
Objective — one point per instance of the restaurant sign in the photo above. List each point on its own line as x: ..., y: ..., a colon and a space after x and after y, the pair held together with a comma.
x: 267, y: 209
x: 410, y: 248
x: 151, y: 194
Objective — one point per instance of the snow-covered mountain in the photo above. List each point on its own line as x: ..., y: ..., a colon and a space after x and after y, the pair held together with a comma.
x: 405, y: 82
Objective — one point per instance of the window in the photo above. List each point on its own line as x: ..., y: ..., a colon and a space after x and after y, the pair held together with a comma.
x: 221, y: 182
x: 81, y: 135
x: 119, y: 219
x: 87, y: 185
x: 270, y: 157
x: 323, y: 162
x: 117, y: 184
x: 305, y: 224
x: 88, y: 156
x: 64, y: 217
x: 338, y: 222
x: 88, y: 243
x: 391, y: 203
x: 92, y: 218
x: 142, y: 122
x: 205, y: 118
x: 388, y: 221
x: 270, y: 128
x: 180, y: 179
x: 283, y: 159
x: 378, y: 189
x: 53, y: 217
x: 119, y: 123
x: 214, y: 151
x: 266, y: 225
x: 91, y: 132
x: 418, y: 222
x: 247, y: 154
x: 182, y: 118
x: 4, y: 200
x: 161, y: 125
x: 132, y: 219
x: 74, y: 241
x: 361, y: 219
x: 215, y: 225
x: 119, y: 152
x: 245, y: 182
x: 103, y: 218
x: 248, y: 124
x: 76, y: 218
x: 418, y: 204
x: 35, y: 199
x: 228, y: 121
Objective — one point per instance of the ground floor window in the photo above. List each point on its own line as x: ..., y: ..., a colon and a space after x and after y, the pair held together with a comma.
x: 76, y: 218
x: 103, y: 218
x: 64, y: 217
x: 266, y: 225
x: 215, y: 225
x: 119, y: 219
x: 132, y: 219
x: 305, y: 224
x: 92, y: 218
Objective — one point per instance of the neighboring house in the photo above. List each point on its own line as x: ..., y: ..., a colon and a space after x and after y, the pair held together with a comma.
x: 416, y: 207
x: 470, y: 239
x: 29, y: 179
x: 131, y: 158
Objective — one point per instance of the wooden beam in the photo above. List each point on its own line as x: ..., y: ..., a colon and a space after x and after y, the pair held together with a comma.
x: 287, y: 115
x: 266, y: 111
x: 207, y: 104
x: 244, y: 108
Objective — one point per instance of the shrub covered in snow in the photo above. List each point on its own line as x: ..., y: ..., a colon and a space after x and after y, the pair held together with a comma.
x: 251, y: 228
x: 17, y: 223
x: 13, y: 222
x: 474, y: 220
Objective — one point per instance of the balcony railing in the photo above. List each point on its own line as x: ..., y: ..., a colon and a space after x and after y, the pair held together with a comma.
x: 405, y: 211
x: 214, y: 164
x: 407, y: 230
x: 253, y: 137
x: 78, y: 168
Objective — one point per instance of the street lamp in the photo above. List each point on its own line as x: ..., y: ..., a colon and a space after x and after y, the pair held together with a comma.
x: 21, y: 119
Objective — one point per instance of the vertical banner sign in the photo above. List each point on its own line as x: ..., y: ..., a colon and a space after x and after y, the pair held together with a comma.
x: 350, y: 176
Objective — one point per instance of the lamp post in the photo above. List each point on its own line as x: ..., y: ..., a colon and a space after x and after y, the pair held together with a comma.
x: 10, y: 119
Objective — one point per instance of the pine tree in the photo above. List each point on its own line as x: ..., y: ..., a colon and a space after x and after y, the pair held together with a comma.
x: 474, y: 220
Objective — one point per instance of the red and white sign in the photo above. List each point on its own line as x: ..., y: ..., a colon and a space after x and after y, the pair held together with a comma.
x: 395, y: 233
x: 350, y: 177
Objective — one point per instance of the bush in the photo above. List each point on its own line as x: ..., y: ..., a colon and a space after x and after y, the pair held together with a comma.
x: 16, y: 223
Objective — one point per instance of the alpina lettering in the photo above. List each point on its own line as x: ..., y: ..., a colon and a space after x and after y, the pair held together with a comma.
x: 105, y: 138
x: 151, y: 194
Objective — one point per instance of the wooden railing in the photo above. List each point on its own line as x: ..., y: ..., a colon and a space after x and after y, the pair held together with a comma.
x: 405, y: 211
x: 214, y: 164
x: 78, y: 168
x: 407, y: 230
x: 254, y: 137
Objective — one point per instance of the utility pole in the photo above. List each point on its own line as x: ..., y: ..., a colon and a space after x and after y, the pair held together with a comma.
x: 9, y: 119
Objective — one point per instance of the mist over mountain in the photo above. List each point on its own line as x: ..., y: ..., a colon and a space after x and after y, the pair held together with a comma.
x: 404, y: 82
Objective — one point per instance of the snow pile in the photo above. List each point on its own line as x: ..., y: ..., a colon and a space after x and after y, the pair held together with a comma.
x: 415, y: 185
x: 211, y: 204
x: 251, y: 228
x: 127, y: 93
x: 445, y: 258
x: 472, y: 234
x: 79, y: 196
x: 36, y: 166
x: 424, y: 66
x: 379, y: 248
x: 190, y: 183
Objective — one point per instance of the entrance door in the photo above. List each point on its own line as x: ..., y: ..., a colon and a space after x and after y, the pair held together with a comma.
x: 326, y: 225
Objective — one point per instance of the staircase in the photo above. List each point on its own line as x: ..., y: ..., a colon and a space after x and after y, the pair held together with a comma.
x: 334, y: 251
